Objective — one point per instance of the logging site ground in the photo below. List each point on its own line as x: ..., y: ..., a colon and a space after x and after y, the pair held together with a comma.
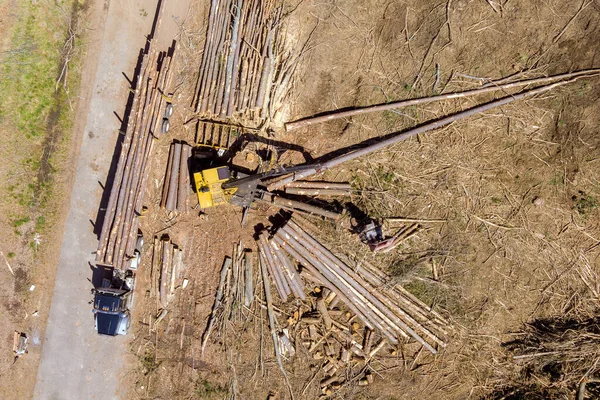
x: 503, y: 206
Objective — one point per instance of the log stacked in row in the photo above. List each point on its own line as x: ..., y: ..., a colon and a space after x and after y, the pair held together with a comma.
x: 238, y: 63
x: 216, y: 134
x: 296, y: 205
x: 120, y: 225
x: 166, y: 268
x: 176, y: 187
x: 393, y: 311
x: 281, y: 269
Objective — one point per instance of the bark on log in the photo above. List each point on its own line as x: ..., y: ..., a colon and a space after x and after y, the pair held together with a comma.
x: 423, y: 100
x: 320, y: 185
x: 312, y: 170
x: 171, y: 204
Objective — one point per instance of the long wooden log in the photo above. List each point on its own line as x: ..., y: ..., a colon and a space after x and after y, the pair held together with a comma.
x: 320, y: 185
x: 183, y: 189
x: 155, y: 271
x: 232, y: 67
x: 208, y: 43
x: 315, y: 267
x: 377, y: 300
x: 248, y: 277
x: 297, y: 250
x: 272, y: 325
x: 146, y: 152
x: 164, y: 271
x: 424, y: 100
x: 124, y: 171
x: 314, y: 245
x: 122, y: 220
x: 316, y: 192
x: 281, y: 283
x: 134, y: 160
x: 212, y: 63
x: 168, y: 177
x: 112, y: 202
x: 290, y: 269
x: 208, y: 103
x: 294, y: 204
x: 318, y: 168
x: 288, y: 245
x: 174, y: 182
x: 380, y: 280
x: 291, y: 275
x: 134, y: 188
x: 373, y: 307
x: 266, y: 103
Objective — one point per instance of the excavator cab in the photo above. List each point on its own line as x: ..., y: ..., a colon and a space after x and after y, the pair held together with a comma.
x: 209, y: 173
x: 208, y: 184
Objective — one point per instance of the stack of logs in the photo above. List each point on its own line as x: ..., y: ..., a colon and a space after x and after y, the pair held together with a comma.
x: 120, y: 225
x: 176, y: 185
x: 235, y: 291
x: 297, y: 206
x: 166, y: 268
x: 281, y: 269
x: 215, y: 134
x: 238, y: 63
x: 391, y: 310
x: 308, y: 189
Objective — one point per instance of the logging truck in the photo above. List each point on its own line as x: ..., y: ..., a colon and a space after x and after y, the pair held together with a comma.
x: 113, y: 300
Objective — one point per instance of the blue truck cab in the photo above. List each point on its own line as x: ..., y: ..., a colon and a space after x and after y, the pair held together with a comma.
x: 111, y: 311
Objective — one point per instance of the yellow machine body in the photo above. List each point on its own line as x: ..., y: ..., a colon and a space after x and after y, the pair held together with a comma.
x: 209, y: 187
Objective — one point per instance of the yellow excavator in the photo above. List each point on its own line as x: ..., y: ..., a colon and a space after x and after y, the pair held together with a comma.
x: 209, y: 186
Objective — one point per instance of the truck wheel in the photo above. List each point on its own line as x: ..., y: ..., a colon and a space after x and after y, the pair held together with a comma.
x: 168, y: 110
x: 164, y: 128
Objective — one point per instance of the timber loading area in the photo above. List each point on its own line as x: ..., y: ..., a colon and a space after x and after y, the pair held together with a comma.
x: 241, y: 252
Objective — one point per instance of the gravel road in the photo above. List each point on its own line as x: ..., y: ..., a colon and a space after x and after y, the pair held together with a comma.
x: 76, y: 363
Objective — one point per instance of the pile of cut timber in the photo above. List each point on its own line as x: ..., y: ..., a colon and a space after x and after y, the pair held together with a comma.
x: 281, y: 269
x: 176, y: 187
x: 120, y: 225
x: 297, y: 205
x: 239, y: 61
x: 166, y: 269
x: 235, y: 292
x: 391, y: 310
x: 221, y: 135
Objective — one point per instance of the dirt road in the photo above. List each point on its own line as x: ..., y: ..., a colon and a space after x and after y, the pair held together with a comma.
x: 77, y: 363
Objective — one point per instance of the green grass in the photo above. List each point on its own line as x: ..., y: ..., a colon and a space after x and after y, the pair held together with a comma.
x: 207, y: 390
x: 31, y: 71
x: 149, y: 362
x: 20, y: 221
x: 30, y: 97
x: 558, y: 179
x: 40, y: 223
x: 585, y: 203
